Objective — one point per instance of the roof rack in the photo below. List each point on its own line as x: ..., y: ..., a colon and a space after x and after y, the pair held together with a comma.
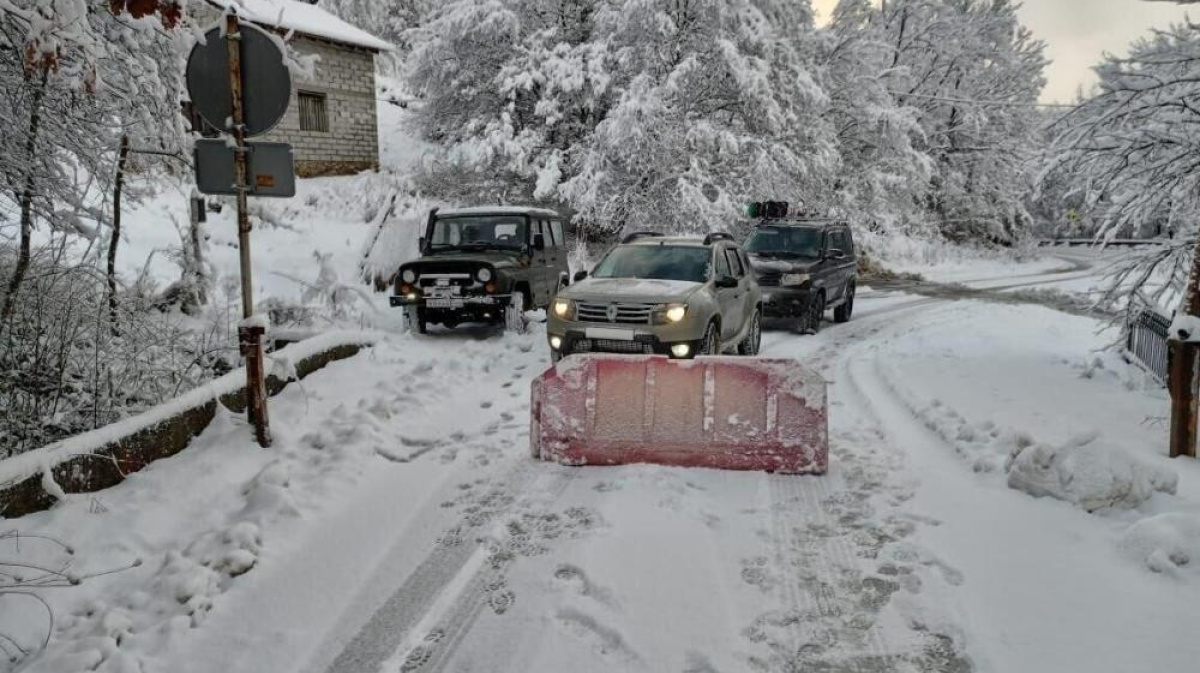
x: 641, y: 234
x: 717, y: 236
x: 771, y: 210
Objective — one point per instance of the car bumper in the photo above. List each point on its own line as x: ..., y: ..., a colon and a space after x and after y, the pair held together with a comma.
x: 579, y: 342
x: 579, y: 337
x: 781, y: 302
x: 491, y: 300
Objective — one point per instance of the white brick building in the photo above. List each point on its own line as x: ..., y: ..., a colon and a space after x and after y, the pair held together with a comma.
x: 331, y: 121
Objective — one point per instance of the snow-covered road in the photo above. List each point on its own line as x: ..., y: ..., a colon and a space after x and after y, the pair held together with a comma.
x: 399, y: 524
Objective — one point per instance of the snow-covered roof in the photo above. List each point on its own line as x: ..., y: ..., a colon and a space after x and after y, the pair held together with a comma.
x: 305, y: 18
x: 498, y: 210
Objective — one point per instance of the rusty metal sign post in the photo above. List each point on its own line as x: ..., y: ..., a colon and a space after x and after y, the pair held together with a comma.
x: 250, y: 336
x: 218, y: 70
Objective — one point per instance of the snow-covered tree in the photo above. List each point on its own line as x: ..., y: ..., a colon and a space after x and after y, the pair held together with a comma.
x: 883, y: 177
x: 1132, y: 156
x: 392, y: 20
x: 645, y: 113
x: 974, y: 73
x: 1131, y: 146
x: 717, y: 105
x: 75, y: 77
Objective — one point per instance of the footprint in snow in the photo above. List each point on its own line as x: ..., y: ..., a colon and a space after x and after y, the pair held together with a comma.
x: 694, y: 662
x: 607, y: 641
x: 573, y: 578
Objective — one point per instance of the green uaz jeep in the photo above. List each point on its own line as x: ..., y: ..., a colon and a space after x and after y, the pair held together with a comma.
x: 484, y: 264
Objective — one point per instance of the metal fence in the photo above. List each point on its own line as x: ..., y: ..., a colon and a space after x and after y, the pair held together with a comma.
x: 1147, y: 340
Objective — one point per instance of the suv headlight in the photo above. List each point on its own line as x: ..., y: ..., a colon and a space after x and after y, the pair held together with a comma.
x: 409, y: 276
x: 794, y: 278
x: 563, y: 308
x: 484, y: 275
x: 670, y: 313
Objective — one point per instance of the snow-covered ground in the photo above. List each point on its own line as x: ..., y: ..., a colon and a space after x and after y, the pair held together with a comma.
x: 399, y: 524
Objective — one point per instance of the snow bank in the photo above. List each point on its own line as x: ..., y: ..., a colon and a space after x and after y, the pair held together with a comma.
x: 1088, y: 474
x: 45, y: 459
x: 1166, y: 543
x: 1082, y: 471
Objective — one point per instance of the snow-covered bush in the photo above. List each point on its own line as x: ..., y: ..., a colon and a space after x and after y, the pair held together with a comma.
x: 66, y: 366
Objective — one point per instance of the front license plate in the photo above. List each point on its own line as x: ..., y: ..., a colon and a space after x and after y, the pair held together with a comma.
x: 444, y: 303
x: 609, y: 333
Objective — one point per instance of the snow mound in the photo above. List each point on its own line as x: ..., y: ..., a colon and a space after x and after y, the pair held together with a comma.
x: 1088, y: 474
x: 1167, y: 543
x: 1082, y: 471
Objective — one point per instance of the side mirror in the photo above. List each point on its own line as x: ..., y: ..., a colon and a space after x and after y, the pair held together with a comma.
x: 539, y: 242
x: 421, y: 244
x: 580, y: 275
x: 726, y: 281
x: 834, y: 253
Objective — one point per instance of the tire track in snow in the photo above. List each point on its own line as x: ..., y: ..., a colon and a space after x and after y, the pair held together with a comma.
x: 378, y: 638
x: 840, y: 539
x: 421, y: 625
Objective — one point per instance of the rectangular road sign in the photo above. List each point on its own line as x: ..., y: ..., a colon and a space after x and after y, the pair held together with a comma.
x: 271, y: 168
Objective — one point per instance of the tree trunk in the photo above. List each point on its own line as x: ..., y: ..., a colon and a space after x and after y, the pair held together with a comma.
x: 115, y: 239
x: 26, y: 201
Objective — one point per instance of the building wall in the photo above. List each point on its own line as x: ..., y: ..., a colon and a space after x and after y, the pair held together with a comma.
x: 346, y: 76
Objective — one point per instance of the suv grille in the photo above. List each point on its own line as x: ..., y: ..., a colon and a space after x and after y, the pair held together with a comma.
x: 610, y: 346
x: 768, y: 277
x: 629, y: 314
x: 451, y: 273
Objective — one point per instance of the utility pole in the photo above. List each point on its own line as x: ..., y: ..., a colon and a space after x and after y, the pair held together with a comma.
x: 249, y: 335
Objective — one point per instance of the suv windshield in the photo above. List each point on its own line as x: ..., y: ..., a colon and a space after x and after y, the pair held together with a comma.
x: 660, y: 262
x: 785, y: 242
x: 478, y: 232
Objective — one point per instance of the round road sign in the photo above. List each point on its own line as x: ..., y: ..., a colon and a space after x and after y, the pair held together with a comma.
x: 266, y: 82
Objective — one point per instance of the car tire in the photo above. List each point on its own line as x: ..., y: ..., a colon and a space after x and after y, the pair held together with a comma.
x: 753, y: 341
x: 415, y: 318
x: 711, y: 343
x: 842, y: 313
x: 514, y: 313
x: 555, y: 357
x: 811, y: 322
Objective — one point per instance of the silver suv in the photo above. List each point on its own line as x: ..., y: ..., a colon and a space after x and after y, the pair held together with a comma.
x: 674, y: 296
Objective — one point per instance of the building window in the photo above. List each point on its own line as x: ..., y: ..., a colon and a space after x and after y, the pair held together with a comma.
x: 313, y: 113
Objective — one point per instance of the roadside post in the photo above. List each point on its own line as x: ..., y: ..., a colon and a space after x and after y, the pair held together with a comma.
x: 1183, y: 379
x: 239, y: 85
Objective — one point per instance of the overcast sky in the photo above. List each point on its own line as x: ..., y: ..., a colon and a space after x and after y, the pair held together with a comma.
x: 1077, y: 32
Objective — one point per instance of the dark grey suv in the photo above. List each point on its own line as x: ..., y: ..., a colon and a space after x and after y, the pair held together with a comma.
x: 805, y: 266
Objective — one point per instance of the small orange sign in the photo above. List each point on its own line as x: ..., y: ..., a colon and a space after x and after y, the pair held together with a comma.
x: 264, y: 180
